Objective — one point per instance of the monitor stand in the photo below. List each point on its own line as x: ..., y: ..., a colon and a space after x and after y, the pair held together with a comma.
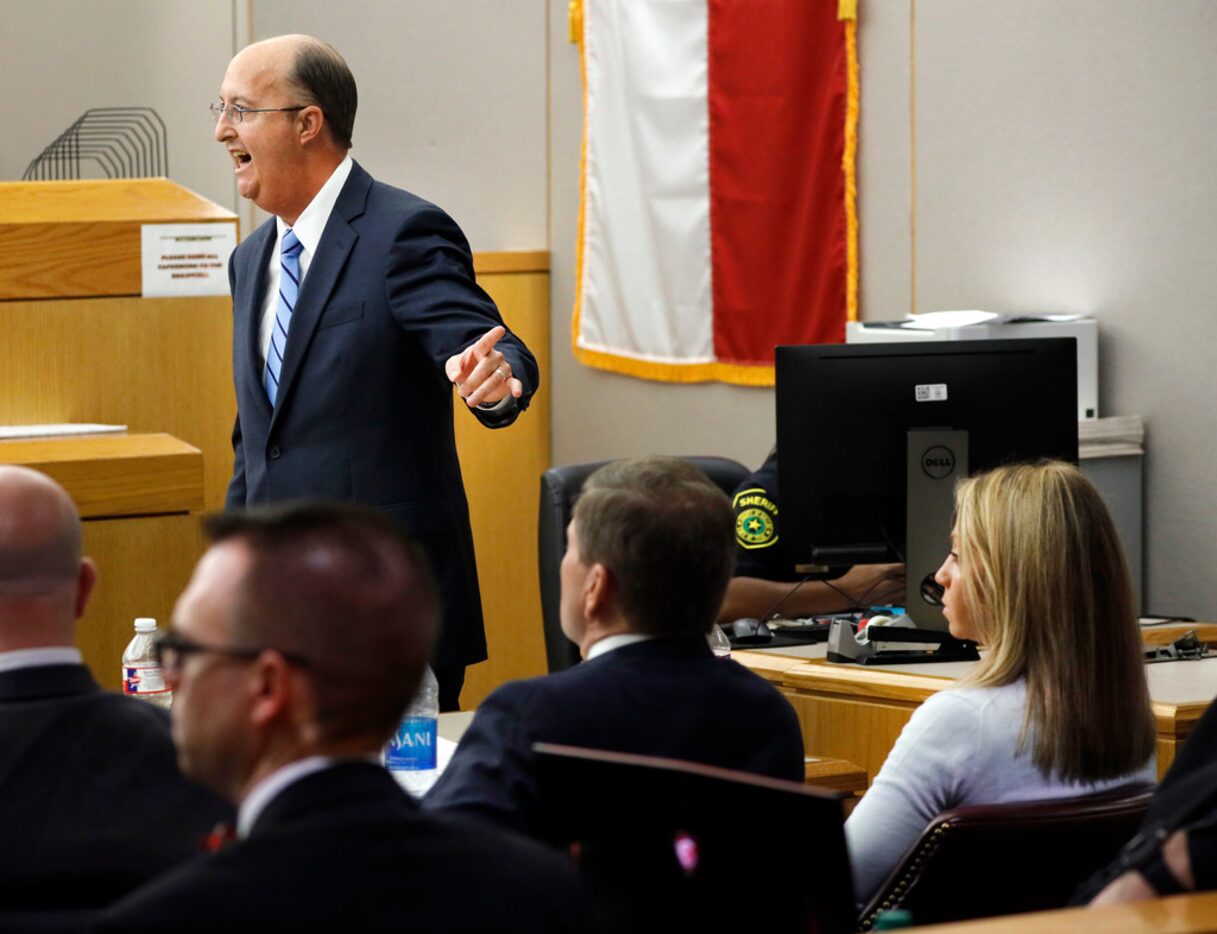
x: 936, y: 458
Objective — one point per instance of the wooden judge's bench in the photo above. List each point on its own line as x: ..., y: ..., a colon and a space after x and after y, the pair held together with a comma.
x: 80, y: 344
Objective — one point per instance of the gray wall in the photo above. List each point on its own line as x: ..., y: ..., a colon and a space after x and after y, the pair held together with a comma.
x: 452, y: 94
x: 1065, y: 162
x: 59, y: 58
x: 451, y: 102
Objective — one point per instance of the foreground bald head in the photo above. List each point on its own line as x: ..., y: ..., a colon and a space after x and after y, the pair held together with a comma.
x: 44, y: 581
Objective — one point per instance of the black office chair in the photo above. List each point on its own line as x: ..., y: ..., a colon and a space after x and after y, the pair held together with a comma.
x: 1001, y: 859
x: 560, y: 488
x: 665, y: 845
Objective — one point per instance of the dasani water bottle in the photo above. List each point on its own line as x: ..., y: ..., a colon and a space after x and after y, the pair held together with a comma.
x: 411, y: 752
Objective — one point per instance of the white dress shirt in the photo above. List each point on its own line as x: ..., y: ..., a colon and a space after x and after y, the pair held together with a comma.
x: 31, y: 658
x: 610, y: 643
x: 309, y: 227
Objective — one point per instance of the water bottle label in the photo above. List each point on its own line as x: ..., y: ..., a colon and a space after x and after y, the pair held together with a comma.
x: 143, y: 679
x: 413, y: 745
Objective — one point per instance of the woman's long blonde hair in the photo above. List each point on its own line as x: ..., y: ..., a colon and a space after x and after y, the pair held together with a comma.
x: 1050, y: 596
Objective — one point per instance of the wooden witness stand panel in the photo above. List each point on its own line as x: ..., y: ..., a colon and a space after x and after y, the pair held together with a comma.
x: 502, y: 471
x: 81, y: 345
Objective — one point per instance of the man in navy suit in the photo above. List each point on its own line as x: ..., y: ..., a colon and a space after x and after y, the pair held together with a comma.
x: 91, y: 799
x: 293, y: 654
x: 355, y: 312
x: 649, y: 551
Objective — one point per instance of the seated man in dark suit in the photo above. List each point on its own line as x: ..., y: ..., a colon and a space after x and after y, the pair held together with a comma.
x: 294, y: 652
x: 91, y: 800
x: 649, y: 551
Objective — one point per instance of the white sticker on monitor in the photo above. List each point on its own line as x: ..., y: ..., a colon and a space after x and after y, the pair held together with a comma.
x: 931, y: 392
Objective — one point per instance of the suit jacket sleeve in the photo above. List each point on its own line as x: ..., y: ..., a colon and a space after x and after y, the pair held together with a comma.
x: 235, y: 497
x: 492, y: 775
x: 433, y: 294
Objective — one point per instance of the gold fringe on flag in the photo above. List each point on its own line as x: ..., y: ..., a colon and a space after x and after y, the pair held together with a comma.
x: 574, y: 13
x: 848, y: 11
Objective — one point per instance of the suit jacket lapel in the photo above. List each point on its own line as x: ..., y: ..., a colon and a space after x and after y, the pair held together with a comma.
x: 247, y: 305
x: 323, y: 273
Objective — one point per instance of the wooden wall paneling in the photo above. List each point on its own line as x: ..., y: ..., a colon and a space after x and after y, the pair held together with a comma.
x: 502, y: 471
x: 153, y: 364
x: 845, y: 728
x: 142, y: 566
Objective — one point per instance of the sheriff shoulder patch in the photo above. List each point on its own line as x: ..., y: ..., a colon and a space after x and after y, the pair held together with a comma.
x: 755, y: 518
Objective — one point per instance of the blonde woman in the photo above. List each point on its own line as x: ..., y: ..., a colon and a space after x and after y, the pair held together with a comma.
x: 1058, y: 705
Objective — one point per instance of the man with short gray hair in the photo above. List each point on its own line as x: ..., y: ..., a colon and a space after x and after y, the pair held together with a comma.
x: 650, y: 548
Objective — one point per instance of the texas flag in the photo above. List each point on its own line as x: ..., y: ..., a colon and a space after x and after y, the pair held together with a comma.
x: 718, y: 197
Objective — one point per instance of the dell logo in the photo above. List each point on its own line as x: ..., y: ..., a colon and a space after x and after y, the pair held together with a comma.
x: 938, y: 462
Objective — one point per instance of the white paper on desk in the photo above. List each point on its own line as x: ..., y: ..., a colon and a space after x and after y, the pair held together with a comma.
x: 960, y: 318
x: 8, y: 432
x: 186, y: 259
x: 443, y: 754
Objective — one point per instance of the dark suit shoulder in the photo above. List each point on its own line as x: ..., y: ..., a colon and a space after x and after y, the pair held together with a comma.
x: 372, y: 862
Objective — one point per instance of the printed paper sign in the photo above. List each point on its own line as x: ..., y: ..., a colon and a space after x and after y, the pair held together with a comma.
x: 186, y: 259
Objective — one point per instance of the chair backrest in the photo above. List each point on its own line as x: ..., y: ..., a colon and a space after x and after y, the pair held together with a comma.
x: 665, y: 845
x: 999, y: 859
x: 560, y: 488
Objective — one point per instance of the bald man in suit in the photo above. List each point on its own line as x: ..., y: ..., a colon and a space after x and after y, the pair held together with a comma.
x: 91, y: 798
x: 355, y: 313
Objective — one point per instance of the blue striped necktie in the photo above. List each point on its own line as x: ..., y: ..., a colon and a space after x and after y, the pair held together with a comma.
x: 289, y: 288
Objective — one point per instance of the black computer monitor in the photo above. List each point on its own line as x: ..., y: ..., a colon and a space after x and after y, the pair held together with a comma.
x: 872, y: 437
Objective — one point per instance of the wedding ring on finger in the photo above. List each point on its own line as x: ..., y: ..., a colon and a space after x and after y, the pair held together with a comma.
x: 502, y: 373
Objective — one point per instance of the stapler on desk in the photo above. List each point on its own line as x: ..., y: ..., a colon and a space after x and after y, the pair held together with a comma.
x: 896, y: 645
x: 1187, y: 647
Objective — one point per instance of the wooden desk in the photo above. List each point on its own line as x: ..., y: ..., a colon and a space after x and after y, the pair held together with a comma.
x: 1180, y: 914
x: 855, y: 712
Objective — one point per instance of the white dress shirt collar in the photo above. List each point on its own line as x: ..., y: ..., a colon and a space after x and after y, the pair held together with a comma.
x: 32, y: 658
x: 611, y: 643
x: 309, y: 227
x: 311, y: 223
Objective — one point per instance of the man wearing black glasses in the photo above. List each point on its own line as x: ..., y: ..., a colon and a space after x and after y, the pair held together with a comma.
x: 91, y: 800
x: 293, y: 654
x: 355, y: 312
